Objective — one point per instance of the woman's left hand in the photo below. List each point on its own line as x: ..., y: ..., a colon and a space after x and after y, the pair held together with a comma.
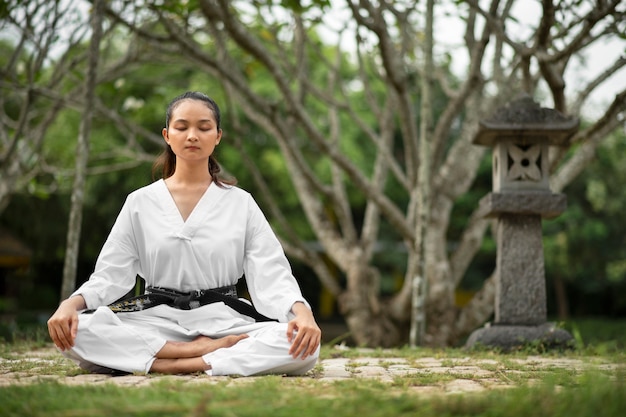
x: 303, y: 332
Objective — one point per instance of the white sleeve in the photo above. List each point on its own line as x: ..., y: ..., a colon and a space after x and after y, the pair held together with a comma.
x: 271, y: 284
x: 117, y: 265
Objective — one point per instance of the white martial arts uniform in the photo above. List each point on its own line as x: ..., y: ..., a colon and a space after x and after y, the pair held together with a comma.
x: 225, y: 237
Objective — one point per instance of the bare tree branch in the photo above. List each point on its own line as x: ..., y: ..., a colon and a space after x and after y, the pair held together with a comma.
x: 592, y: 136
x: 610, y: 71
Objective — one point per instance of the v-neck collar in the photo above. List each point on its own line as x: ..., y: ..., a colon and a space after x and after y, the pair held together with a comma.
x: 185, y: 229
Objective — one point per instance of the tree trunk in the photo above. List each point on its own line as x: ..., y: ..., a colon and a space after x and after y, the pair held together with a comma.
x: 418, y: 313
x: 82, y: 156
x: 367, y: 316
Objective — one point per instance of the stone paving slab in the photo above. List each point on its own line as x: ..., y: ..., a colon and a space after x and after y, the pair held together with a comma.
x: 422, y: 375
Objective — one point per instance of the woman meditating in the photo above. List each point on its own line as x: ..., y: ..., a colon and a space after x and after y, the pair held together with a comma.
x: 191, y: 236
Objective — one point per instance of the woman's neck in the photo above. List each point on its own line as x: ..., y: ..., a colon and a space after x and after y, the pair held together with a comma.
x: 186, y: 174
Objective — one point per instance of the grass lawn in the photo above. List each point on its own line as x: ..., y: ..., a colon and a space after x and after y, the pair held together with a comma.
x: 521, y: 386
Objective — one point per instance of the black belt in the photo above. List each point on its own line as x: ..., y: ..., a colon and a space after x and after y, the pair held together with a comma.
x: 155, y: 296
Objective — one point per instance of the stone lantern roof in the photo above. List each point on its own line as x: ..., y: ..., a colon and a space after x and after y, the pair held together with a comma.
x: 525, y: 122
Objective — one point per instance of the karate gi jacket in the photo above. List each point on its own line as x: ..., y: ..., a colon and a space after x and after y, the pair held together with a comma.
x: 226, y: 236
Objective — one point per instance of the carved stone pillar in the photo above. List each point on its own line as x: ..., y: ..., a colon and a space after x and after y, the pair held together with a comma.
x: 520, y: 134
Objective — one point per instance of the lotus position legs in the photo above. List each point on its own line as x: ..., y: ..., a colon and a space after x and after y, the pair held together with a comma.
x: 186, y: 357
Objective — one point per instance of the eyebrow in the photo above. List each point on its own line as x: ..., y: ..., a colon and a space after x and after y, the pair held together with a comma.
x: 200, y: 121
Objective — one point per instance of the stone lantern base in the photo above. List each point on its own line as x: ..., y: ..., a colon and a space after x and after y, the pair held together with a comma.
x: 509, y: 337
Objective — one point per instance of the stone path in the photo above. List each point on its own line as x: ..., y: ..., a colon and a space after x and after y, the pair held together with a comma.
x: 425, y: 375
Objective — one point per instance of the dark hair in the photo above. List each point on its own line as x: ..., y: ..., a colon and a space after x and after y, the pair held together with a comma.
x: 166, y: 161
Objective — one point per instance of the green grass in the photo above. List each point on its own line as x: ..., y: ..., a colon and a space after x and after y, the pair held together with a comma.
x: 532, y: 388
x: 589, y: 394
x: 598, y: 335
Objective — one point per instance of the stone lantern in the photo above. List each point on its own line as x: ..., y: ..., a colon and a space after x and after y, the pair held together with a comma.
x: 521, y: 134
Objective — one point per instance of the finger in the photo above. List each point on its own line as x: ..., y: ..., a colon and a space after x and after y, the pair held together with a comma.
x: 73, y: 328
x: 65, y: 335
x: 53, y: 335
x: 312, y: 343
x: 58, y: 338
x: 295, y: 343
x: 55, y: 331
x: 291, y: 328
x: 69, y: 334
x: 314, y: 346
x: 301, y: 347
x: 65, y: 342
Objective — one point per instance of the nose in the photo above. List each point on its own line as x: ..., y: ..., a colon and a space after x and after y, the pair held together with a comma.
x: 192, y: 135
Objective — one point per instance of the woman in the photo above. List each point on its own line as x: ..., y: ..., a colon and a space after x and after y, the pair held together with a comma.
x: 190, y: 231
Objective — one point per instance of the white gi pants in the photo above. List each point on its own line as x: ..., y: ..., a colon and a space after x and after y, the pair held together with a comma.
x: 128, y: 342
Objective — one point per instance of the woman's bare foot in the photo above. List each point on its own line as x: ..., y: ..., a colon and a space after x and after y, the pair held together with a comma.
x: 179, y: 366
x: 186, y: 357
x: 199, y: 346
x: 205, y: 344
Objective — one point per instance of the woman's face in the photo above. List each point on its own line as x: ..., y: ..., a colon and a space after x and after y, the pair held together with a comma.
x: 192, y: 133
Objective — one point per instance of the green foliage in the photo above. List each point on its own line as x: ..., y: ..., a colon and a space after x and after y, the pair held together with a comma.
x: 586, y: 245
x: 4, y: 9
x: 598, y: 335
x: 38, y: 215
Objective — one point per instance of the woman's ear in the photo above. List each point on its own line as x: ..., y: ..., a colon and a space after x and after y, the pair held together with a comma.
x: 165, y: 137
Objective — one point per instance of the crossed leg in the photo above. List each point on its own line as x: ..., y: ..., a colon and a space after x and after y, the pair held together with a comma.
x: 186, y: 357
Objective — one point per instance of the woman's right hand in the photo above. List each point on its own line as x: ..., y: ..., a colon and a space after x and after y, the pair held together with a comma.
x: 63, y: 325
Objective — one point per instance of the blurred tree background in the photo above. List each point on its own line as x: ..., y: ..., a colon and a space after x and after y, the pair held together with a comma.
x: 306, y: 116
